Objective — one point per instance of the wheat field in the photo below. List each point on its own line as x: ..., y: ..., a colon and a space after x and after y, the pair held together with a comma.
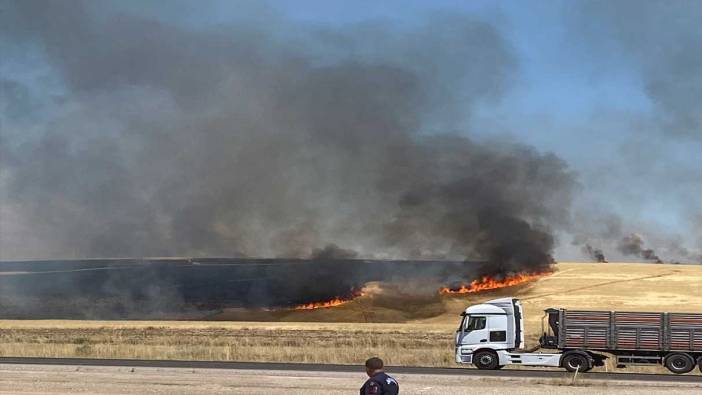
x: 321, y: 336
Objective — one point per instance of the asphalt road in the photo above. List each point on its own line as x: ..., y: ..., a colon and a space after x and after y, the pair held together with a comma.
x: 693, y: 377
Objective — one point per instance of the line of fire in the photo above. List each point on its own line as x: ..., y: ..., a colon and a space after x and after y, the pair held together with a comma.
x: 184, y: 288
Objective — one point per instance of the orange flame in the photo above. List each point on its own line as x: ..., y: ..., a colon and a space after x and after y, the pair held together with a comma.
x: 329, y: 303
x: 487, y: 283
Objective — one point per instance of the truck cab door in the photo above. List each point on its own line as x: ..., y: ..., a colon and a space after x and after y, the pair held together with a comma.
x: 475, y: 330
x: 500, y: 335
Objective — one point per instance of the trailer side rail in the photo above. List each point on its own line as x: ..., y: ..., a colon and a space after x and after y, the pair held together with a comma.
x: 635, y: 331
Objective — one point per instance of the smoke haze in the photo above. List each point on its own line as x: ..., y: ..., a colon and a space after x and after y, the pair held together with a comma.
x: 595, y: 254
x: 664, y: 41
x: 132, y: 130
x: 158, y: 139
x: 634, y: 245
x: 648, y: 180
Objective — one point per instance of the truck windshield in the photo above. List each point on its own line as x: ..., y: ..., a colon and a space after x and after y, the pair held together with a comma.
x: 475, y: 323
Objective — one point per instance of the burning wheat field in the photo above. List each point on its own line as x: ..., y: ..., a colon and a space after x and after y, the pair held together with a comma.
x: 282, y: 290
x: 400, y: 320
x: 238, y: 289
x: 332, y: 187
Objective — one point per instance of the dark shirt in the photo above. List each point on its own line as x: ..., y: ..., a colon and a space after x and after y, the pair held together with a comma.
x: 380, y: 384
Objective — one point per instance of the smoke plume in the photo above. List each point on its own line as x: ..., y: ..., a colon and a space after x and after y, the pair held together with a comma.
x: 333, y: 251
x: 594, y: 253
x: 595, y: 227
x: 159, y: 139
x: 697, y: 228
x: 633, y: 244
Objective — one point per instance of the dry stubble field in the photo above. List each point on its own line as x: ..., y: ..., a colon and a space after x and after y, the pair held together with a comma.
x: 320, y: 336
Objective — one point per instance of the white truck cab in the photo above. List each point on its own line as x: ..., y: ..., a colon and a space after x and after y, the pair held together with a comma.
x: 491, y: 335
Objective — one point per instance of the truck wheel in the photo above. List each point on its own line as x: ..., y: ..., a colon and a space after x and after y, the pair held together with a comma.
x: 486, y: 360
x: 679, y: 363
x: 576, y: 361
x: 699, y: 363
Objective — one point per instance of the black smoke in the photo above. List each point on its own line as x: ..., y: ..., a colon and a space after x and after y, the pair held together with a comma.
x: 177, y: 288
x: 608, y: 232
x: 633, y: 244
x: 266, y: 140
x: 595, y: 228
x: 333, y: 251
x: 594, y: 253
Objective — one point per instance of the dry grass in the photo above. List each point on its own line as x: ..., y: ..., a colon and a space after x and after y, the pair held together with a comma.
x: 427, y: 341
x: 611, y: 286
x: 211, y: 342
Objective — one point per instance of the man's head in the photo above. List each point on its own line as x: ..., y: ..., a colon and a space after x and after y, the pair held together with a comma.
x: 373, y: 366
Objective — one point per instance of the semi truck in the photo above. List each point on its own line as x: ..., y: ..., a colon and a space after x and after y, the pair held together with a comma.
x: 491, y: 335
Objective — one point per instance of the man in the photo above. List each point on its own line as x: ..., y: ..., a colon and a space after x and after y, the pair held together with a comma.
x: 379, y: 383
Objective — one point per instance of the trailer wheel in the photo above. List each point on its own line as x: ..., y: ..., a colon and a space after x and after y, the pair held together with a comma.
x: 486, y: 360
x: 679, y: 363
x: 699, y: 363
x: 576, y: 361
